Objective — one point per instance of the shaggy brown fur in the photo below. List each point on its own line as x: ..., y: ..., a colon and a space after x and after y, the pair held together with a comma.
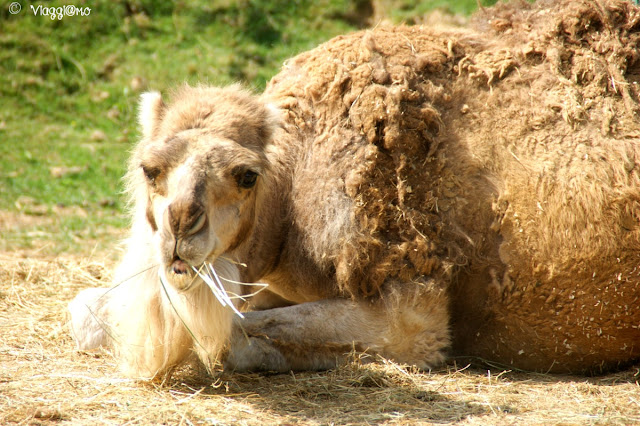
x: 502, y: 160
x: 483, y: 180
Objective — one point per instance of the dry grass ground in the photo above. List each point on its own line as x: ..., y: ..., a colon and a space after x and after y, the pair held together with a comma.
x: 44, y: 380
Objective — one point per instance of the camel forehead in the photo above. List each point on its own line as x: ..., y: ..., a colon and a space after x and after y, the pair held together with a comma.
x: 220, y: 130
x: 228, y: 113
x: 201, y: 155
x: 193, y: 148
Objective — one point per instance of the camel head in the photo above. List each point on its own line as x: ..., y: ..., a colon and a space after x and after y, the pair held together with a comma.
x: 201, y: 166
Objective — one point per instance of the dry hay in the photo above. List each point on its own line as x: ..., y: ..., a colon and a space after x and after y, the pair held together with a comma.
x: 44, y: 380
x: 36, y: 230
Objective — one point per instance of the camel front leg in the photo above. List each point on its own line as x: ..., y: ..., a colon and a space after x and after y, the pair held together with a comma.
x: 89, y: 312
x: 320, y: 335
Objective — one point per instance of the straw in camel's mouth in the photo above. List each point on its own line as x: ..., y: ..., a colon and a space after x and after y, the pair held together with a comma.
x: 209, y: 275
x: 184, y: 277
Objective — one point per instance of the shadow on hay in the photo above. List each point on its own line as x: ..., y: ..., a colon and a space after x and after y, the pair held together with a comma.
x: 381, y: 391
x: 354, y: 392
x: 623, y: 373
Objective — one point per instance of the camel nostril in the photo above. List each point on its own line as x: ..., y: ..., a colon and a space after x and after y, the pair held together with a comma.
x: 198, y: 224
x: 179, y: 267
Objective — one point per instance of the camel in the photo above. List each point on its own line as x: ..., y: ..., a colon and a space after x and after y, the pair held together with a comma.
x: 406, y: 192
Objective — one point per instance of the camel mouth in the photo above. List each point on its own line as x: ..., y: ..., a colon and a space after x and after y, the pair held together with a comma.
x: 180, y: 275
x: 179, y: 266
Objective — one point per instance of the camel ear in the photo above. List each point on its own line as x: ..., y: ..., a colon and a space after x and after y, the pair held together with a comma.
x: 273, y: 120
x: 151, y: 110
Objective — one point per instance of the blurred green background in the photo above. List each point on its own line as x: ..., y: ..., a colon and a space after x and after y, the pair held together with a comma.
x: 69, y: 88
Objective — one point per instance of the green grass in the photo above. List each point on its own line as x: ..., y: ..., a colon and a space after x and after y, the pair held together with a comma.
x: 69, y: 88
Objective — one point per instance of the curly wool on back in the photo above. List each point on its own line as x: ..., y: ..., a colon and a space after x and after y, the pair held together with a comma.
x: 501, y: 159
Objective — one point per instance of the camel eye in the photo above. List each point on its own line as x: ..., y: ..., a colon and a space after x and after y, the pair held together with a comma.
x: 247, y: 179
x: 151, y: 173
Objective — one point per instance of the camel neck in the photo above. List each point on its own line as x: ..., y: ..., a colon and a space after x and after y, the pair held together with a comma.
x: 261, y: 250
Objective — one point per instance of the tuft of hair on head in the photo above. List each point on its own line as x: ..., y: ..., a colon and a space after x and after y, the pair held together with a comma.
x: 273, y: 117
x: 151, y: 110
